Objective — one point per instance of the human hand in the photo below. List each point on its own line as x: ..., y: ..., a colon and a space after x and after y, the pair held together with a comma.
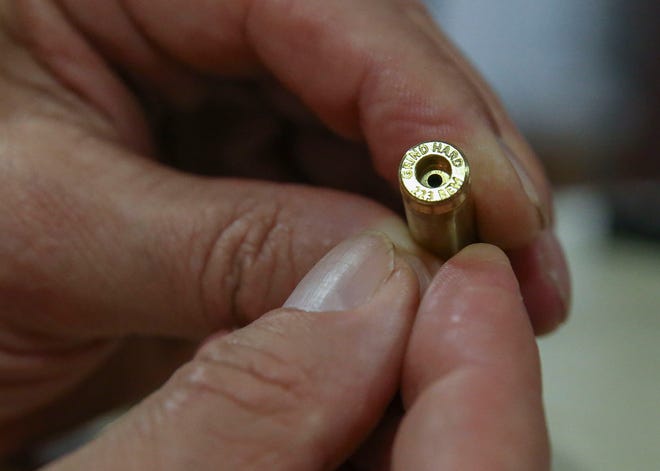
x: 304, y: 387
x: 101, y: 242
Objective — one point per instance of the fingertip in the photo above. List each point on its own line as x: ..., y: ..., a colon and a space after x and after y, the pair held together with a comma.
x: 485, y: 253
x: 537, y: 189
x: 544, y: 277
x: 476, y: 268
x: 516, y: 225
x: 472, y: 308
x: 472, y: 370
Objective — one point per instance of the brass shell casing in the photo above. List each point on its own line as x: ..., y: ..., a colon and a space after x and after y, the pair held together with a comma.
x: 435, y: 185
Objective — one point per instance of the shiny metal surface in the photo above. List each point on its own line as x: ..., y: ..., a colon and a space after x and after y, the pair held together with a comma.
x: 434, y: 179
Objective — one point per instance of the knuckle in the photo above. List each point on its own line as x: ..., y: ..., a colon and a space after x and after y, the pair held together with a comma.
x: 246, y: 376
x: 247, y: 258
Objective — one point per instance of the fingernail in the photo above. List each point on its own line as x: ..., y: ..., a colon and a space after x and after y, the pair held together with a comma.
x: 424, y: 264
x: 347, y: 277
x: 552, y: 259
x: 484, y: 253
x: 527, y: 184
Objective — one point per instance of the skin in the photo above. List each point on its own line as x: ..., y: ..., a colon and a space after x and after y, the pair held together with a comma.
x: 116, y: 265
x: 257, y: 399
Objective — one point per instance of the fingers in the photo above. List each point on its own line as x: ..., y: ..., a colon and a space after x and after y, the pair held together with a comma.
x: 383, y: 80
x: 297, y: 389
x: 376, y: 75
x: 135, y: 248
x: 514, y: 145
x: 544, y: 282
x: 367, y: 69
x: 472, y: 384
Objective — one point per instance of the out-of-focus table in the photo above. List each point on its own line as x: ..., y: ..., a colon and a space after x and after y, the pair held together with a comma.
x: 601, y: 370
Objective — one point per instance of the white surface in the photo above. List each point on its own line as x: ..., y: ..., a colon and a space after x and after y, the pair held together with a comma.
x: 602, y: 369
x: 552, y: 61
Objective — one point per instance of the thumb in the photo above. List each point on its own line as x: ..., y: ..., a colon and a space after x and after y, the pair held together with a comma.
x: 297, y: 389
x: 170, y: 254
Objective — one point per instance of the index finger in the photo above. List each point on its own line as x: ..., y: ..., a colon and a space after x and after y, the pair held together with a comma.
x: 471, y: 379
x: 370, y: 70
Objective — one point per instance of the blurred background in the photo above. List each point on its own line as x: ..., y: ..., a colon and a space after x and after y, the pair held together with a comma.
x: 582, y: 80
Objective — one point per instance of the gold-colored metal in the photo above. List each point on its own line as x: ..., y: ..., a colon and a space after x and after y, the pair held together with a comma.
x: 435, y: 186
